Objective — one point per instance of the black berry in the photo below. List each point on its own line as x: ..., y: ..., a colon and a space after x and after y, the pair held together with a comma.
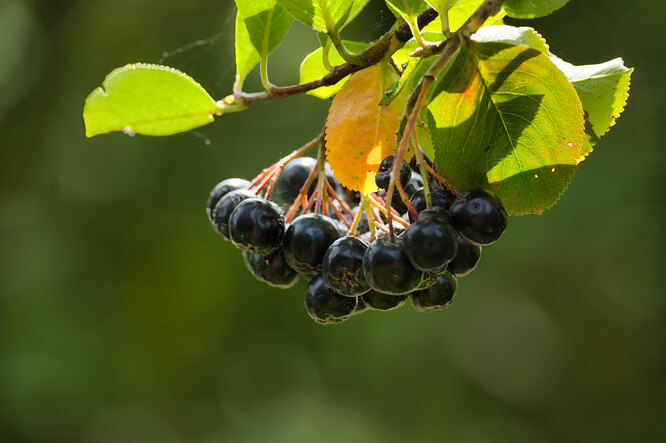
x: 225, y: 206
x: 479, y: 217
x: 387, y: 268
x: 466, y: 258
x: 306, y: 241
x: 222, y: 189
x: 383, y: 176
x: 293, y: 177
x: 439, y: 199
x: 430, y: 243
x: 257, y: 225
x: 383, y: 302
x: 272, y: 269
x: 438, y: 296
x: 324, y: 304
x: 343, y: 266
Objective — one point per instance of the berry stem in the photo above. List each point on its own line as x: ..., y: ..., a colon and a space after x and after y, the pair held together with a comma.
x: 370, y: 216
x: 382, y: 209
x: 424, y: 173
x: 357, y: 218
x: 443, y: 181
x: 405, y: 200
x: 345, y: 207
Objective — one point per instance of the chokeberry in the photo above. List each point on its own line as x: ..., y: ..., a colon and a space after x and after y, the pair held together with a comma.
x: 430, y: 243
x: 225, y: 206
x: 221, y: 189
x: 383, y: 302
x: 324, y: 304
x: 439, y: 199
x: 414, y: 165
x: 272, y: 269
x: 383, y: 175
x: 387, y: 268
x: 257, y: 225
x: 343, y: 266
x: 466, y: 258
x: 293, y: 177
x: 479, y: 217
x: 438, y: 296
x: 306, y: 241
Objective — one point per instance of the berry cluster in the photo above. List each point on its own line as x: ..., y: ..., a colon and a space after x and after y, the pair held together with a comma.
x: 411, y: 239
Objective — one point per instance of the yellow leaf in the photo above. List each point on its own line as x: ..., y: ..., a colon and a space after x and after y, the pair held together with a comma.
x: 359, y: 132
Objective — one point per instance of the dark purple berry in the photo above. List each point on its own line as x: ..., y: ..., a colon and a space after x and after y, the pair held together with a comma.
x: 387, y: 268
x: 272, y: 269
x: 383, y: 302
x: 225, y: 206
x: 306, y: 241
x: 414, y: 165
x: 430, y: 242
x: 221, y: 189
x: 414, y: 184
x: 293, y: 177
x: 343, y: 266
x: 479, y: 217
x: 257, y: 225
x: 438, y: 296
x: 383, y: 176
x: 466, y: 258
x: 324, y: 304
x: 439, y: 199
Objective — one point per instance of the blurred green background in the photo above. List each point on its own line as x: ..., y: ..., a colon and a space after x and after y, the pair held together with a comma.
x: 125, y: 318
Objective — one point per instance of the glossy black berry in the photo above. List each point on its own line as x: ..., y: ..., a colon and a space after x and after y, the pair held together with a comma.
x: 257, y: 225
x: 466, y: 258
x: 438, y: 296
x: 306, y: 241
x: 439, y: 199
x: 225, y: 206
x: 383, y: 176
x: 387, y: 268
x: 383, y: 302
x: 414, y: 165
x: 430, y: 243
x: 272, y: 269
x: 479, y: 217
x: 293, y: 177
x: 221, y: 189
x: 324, y: 304
x: 343, y: 266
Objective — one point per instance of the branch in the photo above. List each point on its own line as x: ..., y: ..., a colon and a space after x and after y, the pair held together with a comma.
x: 369, y: 56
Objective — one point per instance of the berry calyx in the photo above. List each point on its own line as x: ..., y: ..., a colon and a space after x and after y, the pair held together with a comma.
x: 271, y: 269
x: 342, y: 266
x: 479, y: 217
x: 387, y: 268
x: 306, y: 241
x: 325, y: 305
x: 257, y: 225
x: 439, y: 296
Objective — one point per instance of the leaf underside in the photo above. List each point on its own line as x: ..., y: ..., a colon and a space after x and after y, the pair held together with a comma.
x: 504, y: 118
x: 148, y: 99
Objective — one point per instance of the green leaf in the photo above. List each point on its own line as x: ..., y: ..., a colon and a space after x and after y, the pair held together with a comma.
x: 247, y: 56
x: 322, y: 14
x: 408, y: 9
x: 603, y: 89
x: 149, y: 100
x: 459, y: 12
x: 513, y: 36
x: 313, y: 68
x: 506, y: 119
x: 532, y: 8
x: 267, y: 23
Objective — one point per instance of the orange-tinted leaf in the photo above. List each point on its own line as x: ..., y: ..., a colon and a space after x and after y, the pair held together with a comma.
x: 359, y: 132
